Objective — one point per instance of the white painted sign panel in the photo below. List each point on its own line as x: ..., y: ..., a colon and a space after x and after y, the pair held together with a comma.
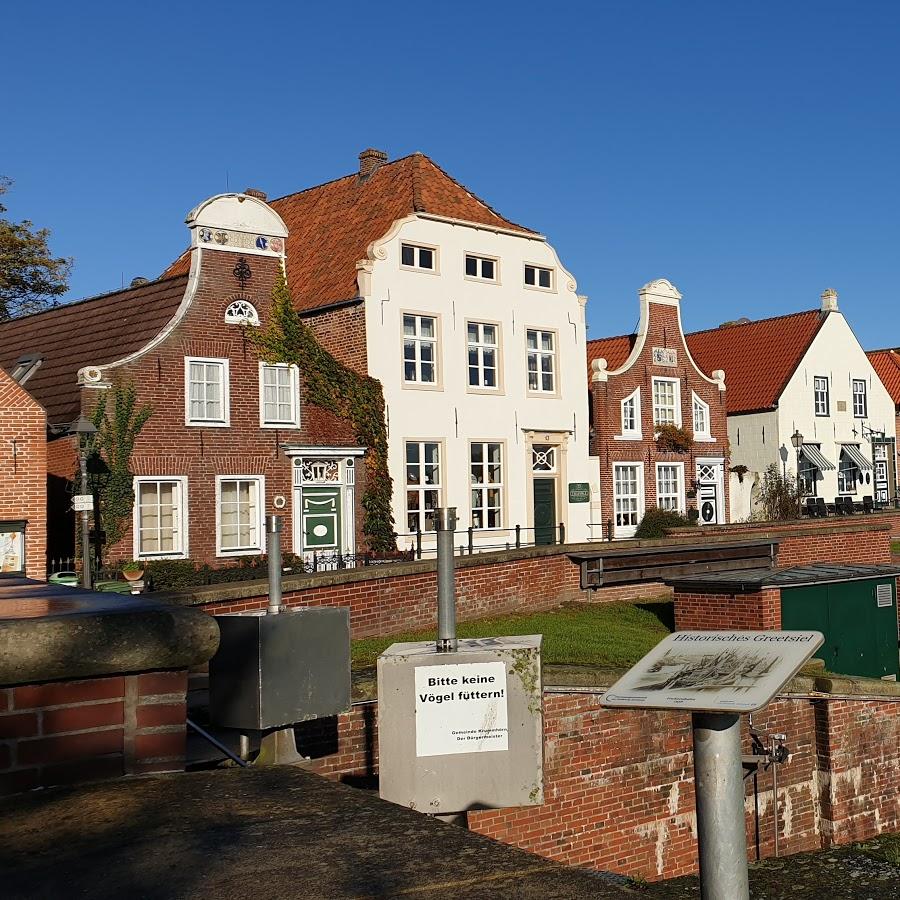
x: 715, y: 671
x: 83, y: 502
x: 461, y: 708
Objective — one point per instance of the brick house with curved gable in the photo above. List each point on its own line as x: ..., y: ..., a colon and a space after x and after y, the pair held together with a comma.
x: 639, y: 382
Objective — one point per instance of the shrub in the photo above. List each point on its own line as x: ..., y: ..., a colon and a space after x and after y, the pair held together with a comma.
x: 673, y: 438
x: 657, y: 523
x: 778, y: 499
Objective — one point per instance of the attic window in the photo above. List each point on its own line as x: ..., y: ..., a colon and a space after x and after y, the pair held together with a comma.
x: 241, y: 312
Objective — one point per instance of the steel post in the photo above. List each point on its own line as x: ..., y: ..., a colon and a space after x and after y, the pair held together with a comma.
x: 273, y: 549
x: 446, y: 525
x: 85, y: 523
x: 721, y: 834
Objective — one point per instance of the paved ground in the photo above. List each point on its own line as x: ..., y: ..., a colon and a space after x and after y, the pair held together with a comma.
x: 258, y: 834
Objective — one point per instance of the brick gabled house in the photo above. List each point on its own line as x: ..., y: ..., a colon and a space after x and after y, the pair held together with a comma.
x: 802, y: 374
x: 638, y: 383
x: 475, y: 331
x: 229, y: 438
x: 887, y: 364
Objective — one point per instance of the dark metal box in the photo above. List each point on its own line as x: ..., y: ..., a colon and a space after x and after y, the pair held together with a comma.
x: 276, y: 670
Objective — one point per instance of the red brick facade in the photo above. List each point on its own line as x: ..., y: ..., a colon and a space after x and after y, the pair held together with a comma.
x: 342, y: 332
x: 63, y: 732
x: 23, y: 475
x: 611, y: 384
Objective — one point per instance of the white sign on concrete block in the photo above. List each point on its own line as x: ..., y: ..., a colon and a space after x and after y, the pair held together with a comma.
x: 83, y: 502
x: 461, y: 709
x: 714, y: 671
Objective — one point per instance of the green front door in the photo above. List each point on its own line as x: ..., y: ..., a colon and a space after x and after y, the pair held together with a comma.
x: 321, y: 518
x: 858, y: 619
x: 544, y: 511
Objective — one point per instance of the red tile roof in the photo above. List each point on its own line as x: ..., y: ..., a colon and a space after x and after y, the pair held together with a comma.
x: 887, y: 364
x: 615, y: 350
x: 331, y: 226
x: 758, y: 357
x: 88, y: 332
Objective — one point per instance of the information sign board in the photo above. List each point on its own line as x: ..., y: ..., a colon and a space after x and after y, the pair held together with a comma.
x: 579, y: 492
x: 83, y: 502
x: 714, y: 671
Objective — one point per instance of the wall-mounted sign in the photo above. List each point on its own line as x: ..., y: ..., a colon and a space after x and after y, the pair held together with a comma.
x: 663, y: 356
x: 579, y: 492
x: 83, y: 503
x: 12, y: 548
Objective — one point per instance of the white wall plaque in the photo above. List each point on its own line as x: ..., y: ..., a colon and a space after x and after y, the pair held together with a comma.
x: 83, y: 502
x: 461, y: 708
x: 663, y: 356
x: 716, y: 671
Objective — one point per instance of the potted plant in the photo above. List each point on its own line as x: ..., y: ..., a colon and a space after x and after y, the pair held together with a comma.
x: 132, y: 570
x: 673, y: 439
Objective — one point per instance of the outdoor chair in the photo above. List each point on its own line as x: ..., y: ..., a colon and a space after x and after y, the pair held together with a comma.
x: 868, y: 504
x: 849, y: 508
x: 838, y: 506
x: 811, y: 507
x: 821, y: 508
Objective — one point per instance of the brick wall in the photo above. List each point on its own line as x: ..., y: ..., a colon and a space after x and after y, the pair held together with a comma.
x: 606, y: 397
x: 67, y: 731
x: 619, y: 784
x: 758, y: 611
x: 23, y: 470
x: 342, y: 332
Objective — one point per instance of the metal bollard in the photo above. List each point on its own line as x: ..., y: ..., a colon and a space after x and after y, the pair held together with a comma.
x: 273, y: 549
x: 446, y: 525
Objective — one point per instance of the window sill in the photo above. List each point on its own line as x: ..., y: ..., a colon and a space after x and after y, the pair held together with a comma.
x: 419, y: 270
x: 189, y: 424
x: 628, y: 436
x: 704, y: 439
x: 490, y: 392
x: 162, y: 557
x: 225, y: 554
x: 475, y: 280
x: 284, y: 426
x: 419, y: 386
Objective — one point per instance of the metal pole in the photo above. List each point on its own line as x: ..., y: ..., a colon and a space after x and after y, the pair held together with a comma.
x: 85, y: 525
x: 772, y: 745
x: 273, y: 549
x: 721, y: 834
x: 446, y: 585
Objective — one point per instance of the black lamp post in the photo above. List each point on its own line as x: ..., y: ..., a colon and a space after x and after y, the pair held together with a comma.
x: 797, y: 441
x: 84, y: 430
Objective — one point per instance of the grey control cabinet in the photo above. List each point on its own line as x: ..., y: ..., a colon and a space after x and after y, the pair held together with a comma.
x: 277, y: 670
x: 461, y: 730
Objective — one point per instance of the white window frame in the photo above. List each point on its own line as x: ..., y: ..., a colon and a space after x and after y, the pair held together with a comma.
x: 676, y: 394
x: 183, y: 519
x: 241, y: 312
x: 553, y: 354
x: 417, y: 254
x: 851, y: 467
x: 259, y: 548
x: 482, y: 487
x: 294, y: 420
x: 480, y: 346
x: 857, y: 414
x: 702, y: 434
x: 420, y: 487
x: 225, y: 421
x: 678, y: 495
x: 418, y: 340
x: 537, y: 286
x: 640, y: 502
x: 821, y: 392
x: 480, y: 259
x: 630, y: 434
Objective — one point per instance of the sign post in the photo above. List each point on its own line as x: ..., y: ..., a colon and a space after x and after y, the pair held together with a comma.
x: 717, y: 675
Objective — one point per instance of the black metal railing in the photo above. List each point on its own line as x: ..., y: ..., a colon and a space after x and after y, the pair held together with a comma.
x: 423, y: 544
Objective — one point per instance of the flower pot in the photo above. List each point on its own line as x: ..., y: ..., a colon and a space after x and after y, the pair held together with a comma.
x: 133, y: 574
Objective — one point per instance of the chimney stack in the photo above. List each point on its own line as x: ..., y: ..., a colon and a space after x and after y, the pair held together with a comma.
x: 255, y: 192
x: 829, y: 300
x: 370, y: 160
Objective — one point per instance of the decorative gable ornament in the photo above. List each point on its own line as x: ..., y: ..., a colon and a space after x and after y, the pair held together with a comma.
x: 663, y: 356
x: 241, y: 312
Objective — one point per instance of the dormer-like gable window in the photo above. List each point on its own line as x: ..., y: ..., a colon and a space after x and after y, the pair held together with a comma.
x: 701, y: 419
x: 631, y: 415
x: 241, y: 312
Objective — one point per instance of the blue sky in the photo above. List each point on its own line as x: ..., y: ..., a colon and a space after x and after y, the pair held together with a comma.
x: 748, y: 152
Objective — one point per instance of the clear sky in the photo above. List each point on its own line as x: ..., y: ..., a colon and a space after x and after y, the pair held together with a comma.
x: 748, y: 152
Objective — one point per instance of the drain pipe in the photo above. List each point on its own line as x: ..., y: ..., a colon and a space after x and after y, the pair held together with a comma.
x: 446, y: 584
x: 273, y: 549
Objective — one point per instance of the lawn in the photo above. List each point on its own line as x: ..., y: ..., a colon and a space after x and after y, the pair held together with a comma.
x: 895, y: 548
x: 612, y: 634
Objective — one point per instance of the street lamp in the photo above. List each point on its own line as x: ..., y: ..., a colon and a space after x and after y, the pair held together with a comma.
x: 797, y: 441
x: 84, y: 429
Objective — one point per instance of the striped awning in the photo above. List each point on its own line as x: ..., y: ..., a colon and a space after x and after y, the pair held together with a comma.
x: 814, y: 455
x: 852, y: 450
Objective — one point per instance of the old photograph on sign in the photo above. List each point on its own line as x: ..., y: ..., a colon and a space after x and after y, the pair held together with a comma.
x: 714, y: 670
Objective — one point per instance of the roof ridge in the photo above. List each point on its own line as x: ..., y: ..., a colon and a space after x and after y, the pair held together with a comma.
x: 730, y: 327
x: 103, y: 296
x: 613, y: 337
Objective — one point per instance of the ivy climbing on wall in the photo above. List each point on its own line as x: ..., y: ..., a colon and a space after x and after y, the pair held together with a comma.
x: 118, y: 421
x: 332, y: 386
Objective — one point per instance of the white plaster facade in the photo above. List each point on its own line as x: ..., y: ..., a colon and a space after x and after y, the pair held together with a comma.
x: 451, y: 413
x: 759, y: 439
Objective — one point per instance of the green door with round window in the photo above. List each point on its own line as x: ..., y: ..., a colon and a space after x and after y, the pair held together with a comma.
x: 321, y: 518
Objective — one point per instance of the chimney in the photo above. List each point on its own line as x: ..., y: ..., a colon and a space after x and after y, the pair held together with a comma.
x: 829, y: 300
x: 369, y: 161
x: 255, y: 192
x: 138, y: 280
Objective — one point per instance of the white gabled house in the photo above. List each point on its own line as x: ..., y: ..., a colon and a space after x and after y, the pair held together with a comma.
x: 803, y: 379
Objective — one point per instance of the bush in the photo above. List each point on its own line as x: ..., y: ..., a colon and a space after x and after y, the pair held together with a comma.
x: 180, y: 574
x: 778, y: 499
x: 657, y: 523
x: 172, y: 574
x: 674, y: 439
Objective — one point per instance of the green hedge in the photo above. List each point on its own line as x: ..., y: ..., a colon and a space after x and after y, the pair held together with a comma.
x: 180, y: 574
x: 657, y: 522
